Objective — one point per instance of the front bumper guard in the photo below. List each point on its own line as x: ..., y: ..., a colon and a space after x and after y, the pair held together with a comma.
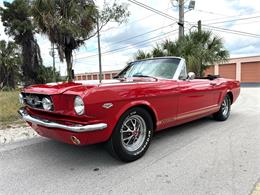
x: 76, y: 128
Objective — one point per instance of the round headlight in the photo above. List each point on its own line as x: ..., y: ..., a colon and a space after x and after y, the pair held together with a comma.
x: 79, y: 105
x: 46, y: 103
x: 21, y: 100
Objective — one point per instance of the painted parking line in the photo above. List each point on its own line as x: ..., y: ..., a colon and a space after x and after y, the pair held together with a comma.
x: 256, y: 190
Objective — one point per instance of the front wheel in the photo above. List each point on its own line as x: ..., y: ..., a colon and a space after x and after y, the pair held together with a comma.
x: 132, y: 135
x: 224, y: 110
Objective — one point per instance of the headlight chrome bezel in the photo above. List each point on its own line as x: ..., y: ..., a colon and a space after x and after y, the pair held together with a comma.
x: 79, y: 106
x: 47, y: 104
x: 21, y: 99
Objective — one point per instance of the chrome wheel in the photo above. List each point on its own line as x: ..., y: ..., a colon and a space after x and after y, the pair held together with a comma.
x: 224, y: 110
x: 225, y: 107
x: 133, y: 133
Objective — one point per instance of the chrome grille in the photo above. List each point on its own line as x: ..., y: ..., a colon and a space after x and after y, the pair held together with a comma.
x: 35, y: 100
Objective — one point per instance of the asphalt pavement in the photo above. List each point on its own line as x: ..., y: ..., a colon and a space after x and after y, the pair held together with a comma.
x: 201, y: 157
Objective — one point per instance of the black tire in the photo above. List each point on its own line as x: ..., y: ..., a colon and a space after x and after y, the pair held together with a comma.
x: 224, y: 110
x: 141, y: 139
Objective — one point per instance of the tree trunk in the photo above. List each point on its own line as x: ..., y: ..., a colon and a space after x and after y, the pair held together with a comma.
x: 68, y: 56
x: 31, y: 59
x: 2, y: 75
x: 10, y: 82
x: 27, y: 62
x: 200, y: 68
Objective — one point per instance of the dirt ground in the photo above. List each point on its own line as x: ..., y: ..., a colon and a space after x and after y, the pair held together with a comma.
x: 16, y: 133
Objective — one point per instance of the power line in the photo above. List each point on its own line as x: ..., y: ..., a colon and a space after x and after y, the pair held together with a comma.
x: 129, y: 46
x: 227, y: 30
x: 245, y: 23
x: 172, y: 18
x: 137, y: 20
x: 234, y: 20
x: 105, y: 30
x: 234, y: 16
x: 210, y: 12
x: 237, y: 32
x: 125, y: 47
x: 154, y: 10
x: 234, y: 31
x: 168, y: 16
x: 139, y: 35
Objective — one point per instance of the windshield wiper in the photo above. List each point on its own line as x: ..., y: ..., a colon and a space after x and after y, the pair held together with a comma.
x: 141, y: 75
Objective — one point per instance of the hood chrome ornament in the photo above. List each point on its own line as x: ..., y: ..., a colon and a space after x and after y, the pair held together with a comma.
x: 107, y: 105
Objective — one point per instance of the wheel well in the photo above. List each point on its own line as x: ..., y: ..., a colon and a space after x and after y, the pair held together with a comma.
x: 151, y: 112
x: 230, y: 96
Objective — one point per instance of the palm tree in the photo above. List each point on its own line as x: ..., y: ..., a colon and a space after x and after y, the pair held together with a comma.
x: 141, y: 55
x: 16, y: 19
x: 157, y: 51
x: 199, y: 49
x: 68, y: 23
x: 9, y: 64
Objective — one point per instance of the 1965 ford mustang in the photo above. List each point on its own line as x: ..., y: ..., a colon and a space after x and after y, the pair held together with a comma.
x: 145, y: 97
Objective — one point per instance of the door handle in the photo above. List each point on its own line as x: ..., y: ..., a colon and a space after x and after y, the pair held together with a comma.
x: 213, y: 84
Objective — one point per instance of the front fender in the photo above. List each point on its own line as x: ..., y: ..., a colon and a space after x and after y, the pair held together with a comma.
x: 136, y: 103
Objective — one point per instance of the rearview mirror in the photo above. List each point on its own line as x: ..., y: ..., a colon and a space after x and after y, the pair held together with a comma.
x: 191, y: 76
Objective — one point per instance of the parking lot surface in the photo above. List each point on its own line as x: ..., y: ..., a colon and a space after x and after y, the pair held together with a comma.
x: 201, y: 157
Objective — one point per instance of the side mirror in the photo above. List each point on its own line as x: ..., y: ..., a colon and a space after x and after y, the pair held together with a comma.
x: 191, y: 76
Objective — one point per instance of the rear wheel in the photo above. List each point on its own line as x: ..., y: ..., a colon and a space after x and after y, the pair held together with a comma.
x: 132, y: 135
x: 224, y: 110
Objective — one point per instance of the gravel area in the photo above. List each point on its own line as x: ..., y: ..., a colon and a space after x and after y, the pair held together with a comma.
x: 16, y: 133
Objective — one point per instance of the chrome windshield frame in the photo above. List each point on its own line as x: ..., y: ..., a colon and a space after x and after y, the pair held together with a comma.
x: 177, y: 72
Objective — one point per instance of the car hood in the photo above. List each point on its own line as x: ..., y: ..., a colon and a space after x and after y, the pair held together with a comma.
x: 78, y: 86
x: 55, y: 88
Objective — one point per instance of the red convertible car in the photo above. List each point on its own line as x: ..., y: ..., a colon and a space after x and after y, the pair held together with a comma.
x: 147, y: 96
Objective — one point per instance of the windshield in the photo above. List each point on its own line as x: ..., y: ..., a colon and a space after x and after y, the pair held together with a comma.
x: 160, y: 68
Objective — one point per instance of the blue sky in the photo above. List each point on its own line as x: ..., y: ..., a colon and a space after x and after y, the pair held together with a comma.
x: 213, y: 13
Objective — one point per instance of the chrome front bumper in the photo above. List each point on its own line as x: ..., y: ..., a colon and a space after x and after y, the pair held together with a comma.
x: 26, y: 117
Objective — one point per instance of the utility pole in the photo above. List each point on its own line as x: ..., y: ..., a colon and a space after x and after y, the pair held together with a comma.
x: 52, y: 54
x: 199, y: 26
x: 99, y: 53
x: 182, y: 12
x: 200, y: 59
x: 181, y: 18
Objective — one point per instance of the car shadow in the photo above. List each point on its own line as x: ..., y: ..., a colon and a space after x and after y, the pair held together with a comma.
x: 96, y: 155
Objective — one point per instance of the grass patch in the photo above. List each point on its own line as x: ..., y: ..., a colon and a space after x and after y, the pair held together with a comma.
x: 9, y: 104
